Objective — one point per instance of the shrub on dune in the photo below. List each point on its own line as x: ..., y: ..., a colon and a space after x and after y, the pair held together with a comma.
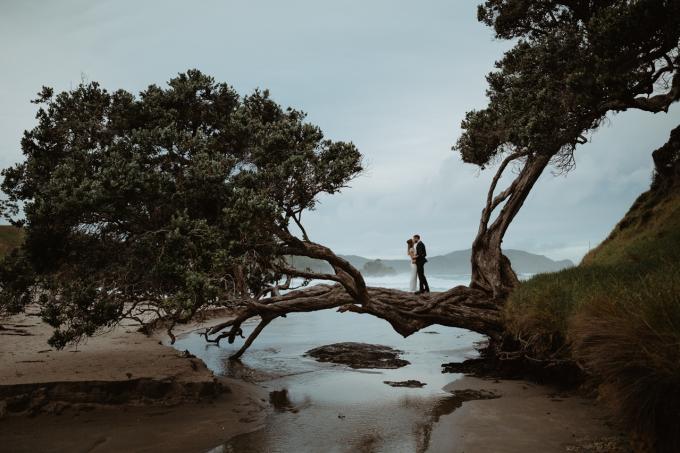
x: 631, y: 342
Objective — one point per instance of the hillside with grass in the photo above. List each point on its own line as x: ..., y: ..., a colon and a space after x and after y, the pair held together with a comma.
x: 617, y: 314
x: 10, y: 238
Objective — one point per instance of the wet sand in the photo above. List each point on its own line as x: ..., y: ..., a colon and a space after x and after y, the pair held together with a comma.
x: 118, y: 391
x: 325, y: 408
x: 119, y: 354
x: 526, y: 418
x: 189, y: 427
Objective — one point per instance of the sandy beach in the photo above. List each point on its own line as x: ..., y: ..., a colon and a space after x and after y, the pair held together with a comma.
x: 526, y: 417
x: 125, y: 391
x: 118, y: 391
x: 119, y: 354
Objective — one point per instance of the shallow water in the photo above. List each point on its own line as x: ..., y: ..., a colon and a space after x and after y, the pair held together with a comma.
x: 322, y: 407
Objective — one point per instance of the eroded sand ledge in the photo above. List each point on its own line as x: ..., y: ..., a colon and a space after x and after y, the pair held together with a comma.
x: 119, y: 391
x: 121, y: 366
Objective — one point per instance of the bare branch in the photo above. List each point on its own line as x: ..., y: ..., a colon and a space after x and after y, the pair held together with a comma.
x: 298, y: 222
x: 307, y: 274
x: 523, y: 183
x: 491, y: 202
x: 654, y: 104
x: 253, y: 335
x: 347, y: 275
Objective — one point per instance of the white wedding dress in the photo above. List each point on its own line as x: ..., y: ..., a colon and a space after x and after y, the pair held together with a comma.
x: 414, y: 270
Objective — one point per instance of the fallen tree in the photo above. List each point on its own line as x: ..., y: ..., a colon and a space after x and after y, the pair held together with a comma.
x: 406, y: 312
x: 190, y: 196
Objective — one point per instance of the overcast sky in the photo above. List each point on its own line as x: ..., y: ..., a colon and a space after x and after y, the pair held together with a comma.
x: 394, y: 77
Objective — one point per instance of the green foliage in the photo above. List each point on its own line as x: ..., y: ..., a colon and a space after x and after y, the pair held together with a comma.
x: 171, y: 200
x: 618, y: 314
x: 573, y: 62
x: 640, y: 260
x: 632, y: 346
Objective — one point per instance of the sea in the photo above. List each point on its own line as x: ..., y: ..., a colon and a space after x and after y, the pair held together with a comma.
x: 437, y: 282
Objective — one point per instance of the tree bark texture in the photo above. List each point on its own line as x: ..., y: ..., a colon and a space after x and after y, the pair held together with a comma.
x: 491, y: 270
x: 406, y: 312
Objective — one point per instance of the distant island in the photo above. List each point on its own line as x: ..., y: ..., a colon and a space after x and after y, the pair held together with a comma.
x: 454, y: 263
x: 377, y: 268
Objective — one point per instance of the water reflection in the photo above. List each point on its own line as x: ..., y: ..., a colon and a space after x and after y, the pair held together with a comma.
x: 321, y: 407
x: 281, y: 403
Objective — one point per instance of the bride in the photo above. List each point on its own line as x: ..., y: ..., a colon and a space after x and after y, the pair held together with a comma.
x: 411, y: 250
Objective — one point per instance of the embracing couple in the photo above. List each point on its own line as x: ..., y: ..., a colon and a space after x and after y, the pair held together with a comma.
x: 417, y: 252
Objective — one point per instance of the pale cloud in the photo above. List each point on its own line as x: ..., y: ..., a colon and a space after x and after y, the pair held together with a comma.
x: 394, y: 77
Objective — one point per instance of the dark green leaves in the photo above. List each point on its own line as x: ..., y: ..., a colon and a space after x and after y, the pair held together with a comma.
x: 164, y: 203
x: 573, y: 62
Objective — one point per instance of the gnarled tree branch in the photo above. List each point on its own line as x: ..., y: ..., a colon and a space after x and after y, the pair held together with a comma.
x: 654, y: 104
x: 408, y: 313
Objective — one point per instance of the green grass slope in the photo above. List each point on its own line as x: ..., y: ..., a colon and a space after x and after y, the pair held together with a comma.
x: 617, y: 315
x: 637, y: 266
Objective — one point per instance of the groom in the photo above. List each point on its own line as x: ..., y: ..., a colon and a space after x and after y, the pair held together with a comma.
x: 421, y: 253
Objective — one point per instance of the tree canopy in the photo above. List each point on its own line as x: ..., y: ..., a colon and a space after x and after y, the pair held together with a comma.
x: 573, y: 62
x: 162, y: 203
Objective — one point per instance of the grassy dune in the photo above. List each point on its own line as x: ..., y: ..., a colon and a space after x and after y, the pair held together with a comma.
x: 617, y: 315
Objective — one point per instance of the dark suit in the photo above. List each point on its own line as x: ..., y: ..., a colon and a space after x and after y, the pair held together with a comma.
x: 421, y: 259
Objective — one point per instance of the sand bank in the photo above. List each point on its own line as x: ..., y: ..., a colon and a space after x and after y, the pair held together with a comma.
x: 118, y: 391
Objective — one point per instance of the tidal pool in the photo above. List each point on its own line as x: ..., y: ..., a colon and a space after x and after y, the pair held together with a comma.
x: 323, y: 407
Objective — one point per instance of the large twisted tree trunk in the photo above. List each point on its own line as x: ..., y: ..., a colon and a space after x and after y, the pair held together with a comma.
x: 491, y: 270
x: 477, y: 307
